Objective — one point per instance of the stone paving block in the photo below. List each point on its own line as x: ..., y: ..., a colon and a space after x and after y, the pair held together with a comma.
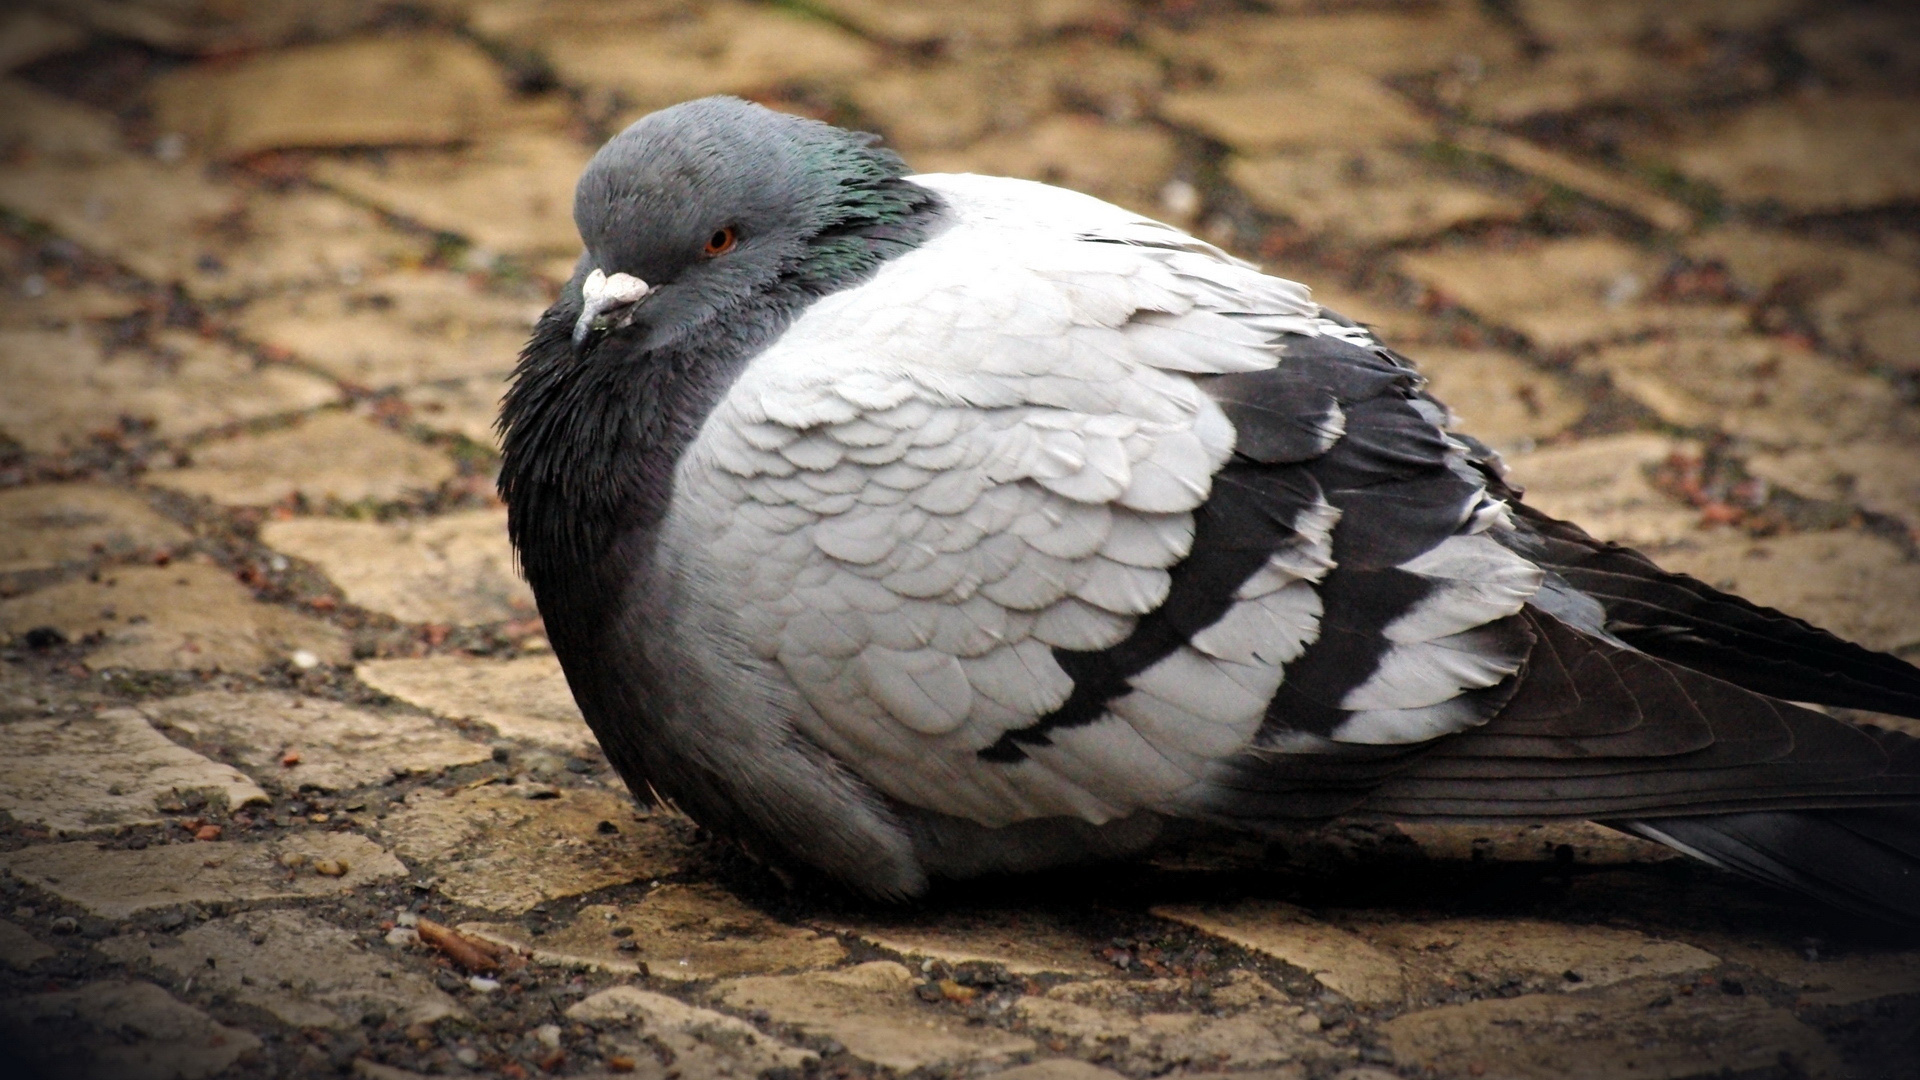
x: 1810, y: 155
x: 1394, y: 323
x: 1589, y: 844
x: 523, y: 698
x: 1071, y: 1069
x: 1110, y: 1016
x: 1602, y: 485
x: 48, y: 525
x: 676, y: 932
x: 1855, y: 584
x: 304, y: 971
x: 1566, y: 292
x: 27, y: 35
x: 507, y: 847
x: 871, y: 1010
x: 182, y: 617
x: 1558, y: 956
x: 457, y: 568
x: 949, y: 105
x: 20, y: 950
x: 169, y: 223
x: 114, y: 884
x: 1370, y: 195
x: 1025, y: 943
x: 398, y: 329
x: 1332, y: 107
x: 511, y: 194
x: 1862, y: 46
x: 702, y: 1042
x: 1499, y: 398
x: 391, y: 90
x: 1618, y: 75
x: 466, y: 407
x: 1644, y: 1031
x: 973, y: 23
x: 119, y: 1030
x: 1338, y: 960
x: 44, y: 305
x: 1767, y: 389
x: 1249, y: 49
x: 332, y: 456
x: 728, y: 48
x: 1828, y: 980
x: 1878, y: 475
x: 106, y: 771
x: 41, y: 127
x: 66, y: 387
x: 1119, y: 83
x: 1577, y: 23
x: 337, y: 746
x: 219, y: 29
x: 1124, y: 163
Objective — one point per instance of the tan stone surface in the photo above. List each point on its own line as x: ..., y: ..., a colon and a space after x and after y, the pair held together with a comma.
x: 1338, y: 960
x: 507, y: 847
x: 1062, y: 1069
x: 1127, y: 164
x: 1540, y: 952
x: 951, y: 104
x: 1499, y: 398
x: 1616, y: 1032
x: 1321, y: 107
x: 1855, y: 584
x: 1863, y: 46
x: 38, y: 126
x: 338, y: 746
x: 524, y: 698
x: 20, y: 950
x: 121, y: 1030
x: 972, y: 22
x: 1881, y: 475
x: 1111, y: 1017
x: 1827, y: 980
x: 335, y: 456
x: 189, y: 616
x: 1394, y: 323
x: 703, y: 1042
x: 1591, y: 844
x: 217, y: 29
x: 114, y: 884
x: 1250, y: 49
x: 1601, y: 485
x: 728, y: 48
x: 1024, y: 943
x: 413, y: 89
x: 1579, y: 23
x: 1373, y: 195
x: 44, y: 526
x: 455, y: 568
x: 513, y: 193
x: 1566, y: 292
x: 45, y: 305
x: 307, y: 972
x: 1810, y: 155
x: 65, y: 387
x: 399, y: 329
x: 169, y: 223
x: 1765, y: 389
x: 870, y: 1009
x: 467, y: 407
x: 106, y: 771
x: 678, y: 932
x: 1605, y: 76
x: 27, y: 35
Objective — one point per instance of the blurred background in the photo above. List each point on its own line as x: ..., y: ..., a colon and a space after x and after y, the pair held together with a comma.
x: 265, y: 263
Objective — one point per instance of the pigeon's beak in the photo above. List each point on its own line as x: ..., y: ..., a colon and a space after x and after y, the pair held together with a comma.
x: 607, y: 304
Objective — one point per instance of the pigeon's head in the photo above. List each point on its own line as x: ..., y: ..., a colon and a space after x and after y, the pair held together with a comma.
x: 697, y: 211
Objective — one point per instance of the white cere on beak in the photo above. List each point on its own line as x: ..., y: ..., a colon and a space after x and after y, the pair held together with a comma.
x: 606, y: 302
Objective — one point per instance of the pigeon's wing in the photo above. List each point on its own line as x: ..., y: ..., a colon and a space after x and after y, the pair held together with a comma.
x: 1037, y: 521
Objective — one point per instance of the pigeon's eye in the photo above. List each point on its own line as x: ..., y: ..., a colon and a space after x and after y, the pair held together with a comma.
x: 721, y: 242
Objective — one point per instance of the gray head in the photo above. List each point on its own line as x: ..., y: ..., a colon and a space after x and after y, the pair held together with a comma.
x: 696, y: 208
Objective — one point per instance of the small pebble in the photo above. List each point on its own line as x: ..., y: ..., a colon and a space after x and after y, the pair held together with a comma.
x: 66, y: 924
x: 305, y: 660
x: 467, y: 1056
x: 293, y: 860
x: 403, y: 937
x: 207, y: 832
x: 406, y: 918
x: 549, y: 1035
x: 483, y: 985
x: 330, y: 867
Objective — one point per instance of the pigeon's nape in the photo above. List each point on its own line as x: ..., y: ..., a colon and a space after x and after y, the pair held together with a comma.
x: 906, y: 526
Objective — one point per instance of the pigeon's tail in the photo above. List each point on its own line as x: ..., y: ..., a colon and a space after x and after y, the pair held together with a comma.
x: 1864, y: 860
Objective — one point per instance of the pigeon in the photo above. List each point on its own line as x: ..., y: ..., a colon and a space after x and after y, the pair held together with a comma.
x: 899, y: 527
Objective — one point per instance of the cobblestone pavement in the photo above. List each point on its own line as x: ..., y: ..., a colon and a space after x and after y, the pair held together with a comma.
x: 291, y: 784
